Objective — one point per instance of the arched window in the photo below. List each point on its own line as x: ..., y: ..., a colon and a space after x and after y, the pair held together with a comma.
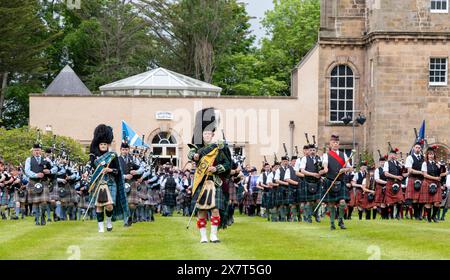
x: 341, y: 93
x: 164, y: 145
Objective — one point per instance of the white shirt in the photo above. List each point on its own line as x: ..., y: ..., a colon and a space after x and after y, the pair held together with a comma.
x: 424, y: 166
x: 448, y: 181
x: 298, y: 164
x: 409, y: 160
x: 270, y: 177
x: 386, y: 166
x: 261, y: 178
x: 356, y: 176
x: 377, y: 174
x: 287, y: 174
x: 325, y: 160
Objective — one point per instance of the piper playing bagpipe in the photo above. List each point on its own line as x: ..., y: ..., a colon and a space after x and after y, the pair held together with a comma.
x: 213, y: 161
x: 107, y: 185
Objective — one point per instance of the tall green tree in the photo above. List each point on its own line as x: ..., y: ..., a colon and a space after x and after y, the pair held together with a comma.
x: 292, y: 28
x: 24, y: 36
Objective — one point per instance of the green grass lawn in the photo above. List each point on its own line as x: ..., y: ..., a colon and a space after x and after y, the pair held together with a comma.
x: 249, y: 238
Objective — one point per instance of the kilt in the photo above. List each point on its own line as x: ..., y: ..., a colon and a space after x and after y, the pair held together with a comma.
x: 74, y: 197
x: 390, y: 197
x: 112, y: 191
x: 257, y: 197
x: 54, y: 193
x: 364, y: 202
x: 292, y: 194
x: 426, y: 197
x: 446, y: 201
x: 22, y: 199
x: 240, y: 193
x: 232, y: 192
x: 266, y: 201
x: 132, y: 196
x: 307, y: 196
x: 411, y: 193
x: 154, y: 197
x: 333, y: 196
x: 220, y: 199
x: 248, y: 199
x: 379, y: 194
x: 282, y: 195
x: 352, y: 193
x: 11, y: 200
x: 170, y: 198
x: 84, y: 201
x: 43, y: 197
x: 67, y: 198
x: 3, y: 198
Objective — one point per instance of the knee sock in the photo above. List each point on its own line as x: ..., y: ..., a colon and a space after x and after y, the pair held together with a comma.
x: 367, y: 214
x: 350, y: 211
x: 360, y: 213
x: 443, y: 213
x: 332, y: 213
x: 274, y: 214
x: 435, y: 211
x: 428, y: 213
x: 308, y: 211
x: 48, y: 211
x: 374, y: 213
x: 100, y: 217
x: 341, y: 211
x: 36, y: 212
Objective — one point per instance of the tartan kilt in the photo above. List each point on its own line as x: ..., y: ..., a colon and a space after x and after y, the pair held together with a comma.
x: 170, y: 198
x: 282, y: 195
x: 390, y: 197
x: 248, y: 199
x: 38, y: 198
x: 4, y: 198
x: 364, y: 202
x: 240, y: 193
x: 311, y: 197
x: 379, y: 194
x: 54, y: 192
x: 84, y: 201
x: 353, y: 197
x: 11, y: 200
x: 153, y: 197
x: 266, y: 201
x: 112, y: 190
x: 22, y: 199
x: 66, y: 199
x: 411, y: 193
x: 292, y: 194
x: 132, y: 196
x: 332, y: 196
x: 232, y: 192
x: 425, y: 196
x: 74, y: 197
x: 257, y: 197
x: 220, y: 199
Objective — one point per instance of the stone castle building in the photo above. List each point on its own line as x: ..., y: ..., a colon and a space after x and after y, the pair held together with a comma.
x: 385, y: 59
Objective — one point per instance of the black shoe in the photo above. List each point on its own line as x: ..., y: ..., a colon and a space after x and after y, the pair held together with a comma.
x: 332, y: 227
x: 43, y: 221
x: 317, y: 218
x: 435, y: 220
x: 341, y: 224
x: 216, y: 241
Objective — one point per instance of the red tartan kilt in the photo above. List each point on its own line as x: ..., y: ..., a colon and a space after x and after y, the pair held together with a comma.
x: 353, y: 198
x: 379, y: 195
x: 248, y: 199
x: 365, y: 203
x: 410, y: 192
x: 390, y: 197
x: 425, y: 196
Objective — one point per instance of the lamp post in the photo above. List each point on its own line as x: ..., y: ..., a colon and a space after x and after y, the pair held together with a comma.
x: 361, y: 119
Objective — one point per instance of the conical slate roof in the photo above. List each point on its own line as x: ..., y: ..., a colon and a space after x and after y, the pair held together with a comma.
x: 161, y: 80
x: 67, y: 83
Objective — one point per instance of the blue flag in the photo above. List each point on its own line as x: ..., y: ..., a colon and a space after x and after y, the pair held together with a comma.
x: 129, y: 135
x: 421, y: 136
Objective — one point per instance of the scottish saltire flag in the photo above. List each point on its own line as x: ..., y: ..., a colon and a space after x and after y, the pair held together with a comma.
x: 133, y: 139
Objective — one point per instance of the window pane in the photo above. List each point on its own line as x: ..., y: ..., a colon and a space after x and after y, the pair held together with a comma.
x: 349, y: 82
x: 341, y: 82
x: 341, y: 115
x: 342, y: 94
x: 349, y: 94
x: 433, y: 5
x: 349, y: 105
x: 333, y: 105
x: 171, y: 151
x: 350, y: 114
x: 157, y: 151
x: 349, y: 71
x: 341, y: 105
x: 444, y: 5
x: 333, y: 82
x: 333, y: 94
x: 341, y: 71
x: 333, y: 116
x: 334, y: 71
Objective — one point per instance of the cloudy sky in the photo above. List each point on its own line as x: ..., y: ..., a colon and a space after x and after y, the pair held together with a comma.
x: 256, y: 8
